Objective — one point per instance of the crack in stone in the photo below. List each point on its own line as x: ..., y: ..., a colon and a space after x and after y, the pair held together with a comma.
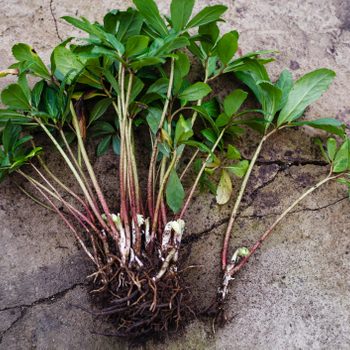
x: 290, y: 163
x: 23, y: 312
x: 25, y: 307
x: 54, y: 20
x: 197, y: 236
x: 49, y: 300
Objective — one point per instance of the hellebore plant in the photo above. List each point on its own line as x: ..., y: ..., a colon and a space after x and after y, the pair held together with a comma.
x: 126, y: 83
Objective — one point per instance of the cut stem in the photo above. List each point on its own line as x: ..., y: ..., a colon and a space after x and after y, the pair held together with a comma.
x: 231, y: 270
x: 239, y: 200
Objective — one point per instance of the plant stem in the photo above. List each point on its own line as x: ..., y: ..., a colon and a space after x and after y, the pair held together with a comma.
x: 189, y: 163
x: 160, y: 194
x: 196, y: 182
x: 151, y: 171
x: 92, y: 173
x: 235, y: 268
x: 64, y: 187
x: 78, y: 238
x: 75, y: 173
x: 239, y: 200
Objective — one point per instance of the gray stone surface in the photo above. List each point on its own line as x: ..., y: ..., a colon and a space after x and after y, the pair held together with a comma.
x: 295, y: 292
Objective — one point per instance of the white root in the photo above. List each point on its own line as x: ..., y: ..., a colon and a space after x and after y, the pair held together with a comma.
x: 171, y: 241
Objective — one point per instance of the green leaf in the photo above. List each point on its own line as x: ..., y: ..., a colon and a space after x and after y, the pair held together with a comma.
x: 240, y: 168
x: 99, y: 109
x: 149, y: 10
x: 102, y: 128
x: 181, y: 69
x: 342, y: 158
x: 103, y: 145
x: 66, y: 62
x: 212, y: 107
x: 14, y: 97
x: 159, y: 87
x: 233, y: 101
x: 195, y: 92
x: 330, y: 125
x: 227, y: 47
x: 181, y: 11
x: 153, y: 118
x: 25, y: 53
x: 209, y: 34
x: 13, y: 116
x: 10, y: 136
x: 175, y: 193
x: 271, y: 97
x: 209, y: 134
x: 224, y: 190
x: 116, y: 144
x: 128, y: 23
x: 201, y: 146
x: 83, y: 25
x: 331, y: 148
x: 36, y: 92
x: 111, y: 79
x: 51, y: 101
x: 306, y: 90
x: 207, y: 15
x: 285, y: 84
x: 183, y: 130
x: 137, y: 86
x: 222, y: 120
x: 136, y: 44
x: 233, y: 153
x: 148, y: 61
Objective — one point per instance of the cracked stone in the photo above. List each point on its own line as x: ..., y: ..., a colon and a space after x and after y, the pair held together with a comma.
x: 294, y: 293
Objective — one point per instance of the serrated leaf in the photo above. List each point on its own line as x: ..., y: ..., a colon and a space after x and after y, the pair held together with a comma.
x: 331, y: 148
x: 66, y: 62
x: 10, y: 136
x: 159, y: 87
x: 227, y: 47
x: 116, y: 144
x: 102, y: 128
x: 330, y: 125
x: 234, y: 101
x: 183, y: 130
x: 222, y: 120
x: 209, y: 34
x: 207, y: 15
x: 224, y: 189
x: 136, y: 45
x: 103, y: 145
x: 285, y: 84
x: 148, y: 61
x: 153, y: 119
x: 180, y: 11
x: 342, y: 158
x: 240, y: 168
x: 306, y: 90
x: 195, y: 92
x: 99, y: 109
x: 14, y: 97
x: 271, y: 97
x: 209, y: 134
x: 149, y: 10
x: 233, y: 153
x: 175, y: 193
x: 25, y: 53
x: 36, y: 93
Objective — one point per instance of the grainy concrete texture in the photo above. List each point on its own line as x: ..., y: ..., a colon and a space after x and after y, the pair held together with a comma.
x: 295, y: 292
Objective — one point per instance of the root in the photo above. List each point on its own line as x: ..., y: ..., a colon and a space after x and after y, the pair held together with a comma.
x: 138, y: 304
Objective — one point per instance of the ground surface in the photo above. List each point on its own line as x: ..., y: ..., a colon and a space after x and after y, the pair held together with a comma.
x: 295, y: 292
